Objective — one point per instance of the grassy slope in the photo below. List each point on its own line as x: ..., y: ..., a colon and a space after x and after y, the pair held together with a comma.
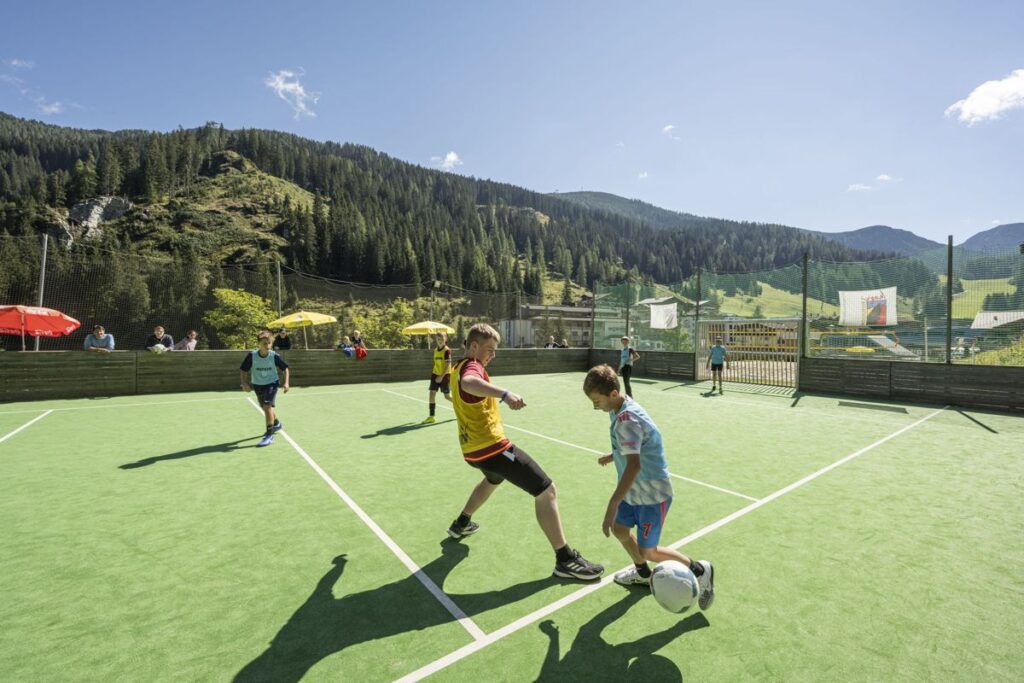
x: 227, y: 215
x: 775, y: 303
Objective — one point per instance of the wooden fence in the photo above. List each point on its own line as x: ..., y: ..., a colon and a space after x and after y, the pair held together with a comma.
x: 76, y: 374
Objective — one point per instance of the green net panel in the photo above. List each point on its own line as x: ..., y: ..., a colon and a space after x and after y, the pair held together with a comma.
x: 988, y: 306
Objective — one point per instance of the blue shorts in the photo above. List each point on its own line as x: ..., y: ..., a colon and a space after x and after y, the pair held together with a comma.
x: 266, y: 393
x: 647, y: 519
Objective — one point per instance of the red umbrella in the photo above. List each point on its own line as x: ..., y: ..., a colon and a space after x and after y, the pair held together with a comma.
x: 36, y: 322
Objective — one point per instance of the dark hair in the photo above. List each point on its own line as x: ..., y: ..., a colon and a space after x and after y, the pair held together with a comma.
x: 602, y: 379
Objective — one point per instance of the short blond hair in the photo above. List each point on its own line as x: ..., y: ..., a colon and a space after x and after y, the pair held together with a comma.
x: 603, y: 379
x: 625, y: 339
x: 482, y: 332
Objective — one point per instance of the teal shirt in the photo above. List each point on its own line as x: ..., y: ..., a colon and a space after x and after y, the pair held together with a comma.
x: 94, y: 342
x: 717, y: 354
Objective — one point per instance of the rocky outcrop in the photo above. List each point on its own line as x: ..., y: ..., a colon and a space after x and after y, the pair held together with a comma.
x: 84, y: 220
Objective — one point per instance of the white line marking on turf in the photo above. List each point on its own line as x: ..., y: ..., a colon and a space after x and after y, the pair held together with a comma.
x: 25, y: 426
x: 470, y: 648
x: 588, y: 450
x: 711, y: 486
x: 191, y: 400
x: 434, y: 589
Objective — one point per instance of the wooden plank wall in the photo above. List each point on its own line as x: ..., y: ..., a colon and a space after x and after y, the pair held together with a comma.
x: 936, y: 383
x: 74, y: 374
x: 655, y: 364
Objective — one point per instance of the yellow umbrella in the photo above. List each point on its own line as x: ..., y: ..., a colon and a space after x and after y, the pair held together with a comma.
x: 428, y: 327
x: 303, y: 319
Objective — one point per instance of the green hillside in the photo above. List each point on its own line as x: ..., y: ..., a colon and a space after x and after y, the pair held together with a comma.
x: 774, y: 303
x: 969, y: 302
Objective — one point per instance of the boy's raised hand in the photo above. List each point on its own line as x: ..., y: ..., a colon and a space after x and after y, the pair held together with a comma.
x: 514, y: 401
x: 604, y: 459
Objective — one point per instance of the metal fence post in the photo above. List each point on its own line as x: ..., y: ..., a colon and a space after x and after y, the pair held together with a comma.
x: 949, y: 300
x: 803, y: 310
x: 42, y: 276
x: 696, y: 328
x: 280, y: 303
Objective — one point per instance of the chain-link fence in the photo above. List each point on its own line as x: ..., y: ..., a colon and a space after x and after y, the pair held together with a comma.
x: 899, y: 309
x: 895, y: 309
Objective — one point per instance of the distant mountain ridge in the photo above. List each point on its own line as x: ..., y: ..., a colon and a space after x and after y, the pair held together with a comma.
x: 877, y: 238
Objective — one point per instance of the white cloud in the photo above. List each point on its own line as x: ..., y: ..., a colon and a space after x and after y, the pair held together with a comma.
x: 668, y: 130
x: 449, y: 162
x: 43, y: 105
x: 858, y: 187
x: 287, y: 86
x: 990, y: 100
x: 884, y: 177
x: 997, y: 221
x: 620, y: 143
x: 16, y: 63
x: 642, y: 175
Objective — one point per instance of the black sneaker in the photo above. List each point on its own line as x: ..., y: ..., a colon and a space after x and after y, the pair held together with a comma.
x: 456, y: 531
x: 578, y: 568
x: 276, y: 427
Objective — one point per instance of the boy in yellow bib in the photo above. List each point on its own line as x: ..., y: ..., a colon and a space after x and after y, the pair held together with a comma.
x: 484, y: 447
x: 440, y: 374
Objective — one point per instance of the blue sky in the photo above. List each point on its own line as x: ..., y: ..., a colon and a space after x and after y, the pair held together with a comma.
x: 822, y: 115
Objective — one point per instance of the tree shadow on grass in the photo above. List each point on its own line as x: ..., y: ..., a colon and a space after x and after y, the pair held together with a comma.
x: 401, y: 429
x: 324, y: 625
x: 590, y: 657
x: 225, y: 447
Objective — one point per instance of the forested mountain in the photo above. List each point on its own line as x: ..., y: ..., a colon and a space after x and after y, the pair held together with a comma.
x: 1001, y: 237
x: 354, y: 213
x: 884, y: 238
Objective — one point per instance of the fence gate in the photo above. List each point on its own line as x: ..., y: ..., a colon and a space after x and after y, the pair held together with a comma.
x: 761, y: 351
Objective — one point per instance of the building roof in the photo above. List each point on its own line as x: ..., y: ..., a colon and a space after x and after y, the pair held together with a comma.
x: 987, y: 320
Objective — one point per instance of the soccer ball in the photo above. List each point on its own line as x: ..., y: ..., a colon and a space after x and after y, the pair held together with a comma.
x: 157, y: 348
x: 674, y: 586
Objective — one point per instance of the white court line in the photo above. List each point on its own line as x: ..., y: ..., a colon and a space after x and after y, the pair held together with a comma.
x: 25, y: 426
x: 436, y: 591
x: 711, y: 486
x: 584, y: 448
x: 190, y: 400
x: 470, y: 648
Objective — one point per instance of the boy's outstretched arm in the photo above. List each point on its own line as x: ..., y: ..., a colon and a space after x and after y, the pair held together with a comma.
x: 287, y: 375
x: 477, y: 386
x: 246, y: 386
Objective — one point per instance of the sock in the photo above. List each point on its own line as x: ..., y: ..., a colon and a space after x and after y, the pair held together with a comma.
x: 270, y: 429
x: 563, y: 554
x: 433, y: 407
x: 463, y: 520
x: 696, y: 567
x: 277, y: 423
x: 643, y: 570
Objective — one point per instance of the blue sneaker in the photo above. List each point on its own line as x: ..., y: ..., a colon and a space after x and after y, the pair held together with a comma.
x: 266, y: 440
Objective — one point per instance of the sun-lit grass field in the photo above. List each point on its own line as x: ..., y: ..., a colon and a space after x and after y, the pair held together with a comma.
x: 147, y: 539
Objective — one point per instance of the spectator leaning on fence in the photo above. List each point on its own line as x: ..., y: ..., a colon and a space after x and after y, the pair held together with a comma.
x: 98, y: 340
x: 282, y: 342
x: 188, y: 343
x: 345, y: 346
x: 159, y: 337
x: 551, y: 343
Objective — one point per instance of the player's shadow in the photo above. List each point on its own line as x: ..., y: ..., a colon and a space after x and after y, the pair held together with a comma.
x: 590, y: 655
x: 402, y: 429
x: 324, y: 624
x: 225, y: 447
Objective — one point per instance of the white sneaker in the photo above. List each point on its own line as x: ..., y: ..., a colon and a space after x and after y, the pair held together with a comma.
x: 706, y: 582
x: 631, y: 577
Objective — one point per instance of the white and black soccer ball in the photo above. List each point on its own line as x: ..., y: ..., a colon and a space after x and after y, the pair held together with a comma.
x: 674, y: 586
x: 157, y: 348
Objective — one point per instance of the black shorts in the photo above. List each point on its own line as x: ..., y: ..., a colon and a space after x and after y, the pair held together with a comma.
x: 444, y: 387
x: 516, y: 466
x: 266, y: 393
x: 716, y: 367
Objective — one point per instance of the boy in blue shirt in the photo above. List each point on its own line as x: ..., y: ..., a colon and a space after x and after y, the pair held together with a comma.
x: 718, y: 357
x: 259, y: 372
x: 644, y: 492
x: 98, y: 340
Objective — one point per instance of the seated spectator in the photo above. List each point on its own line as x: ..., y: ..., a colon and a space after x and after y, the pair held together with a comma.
x: 551, y: 343
x: 357, y: 339
x: 282, y: 342
x: 159, y: 337
x: 346, y: 347
x: 564, y: 344
x: 188, y: 343
x: 98, y: 340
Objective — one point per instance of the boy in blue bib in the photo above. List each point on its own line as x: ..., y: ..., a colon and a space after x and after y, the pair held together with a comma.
x: 259, y: 372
